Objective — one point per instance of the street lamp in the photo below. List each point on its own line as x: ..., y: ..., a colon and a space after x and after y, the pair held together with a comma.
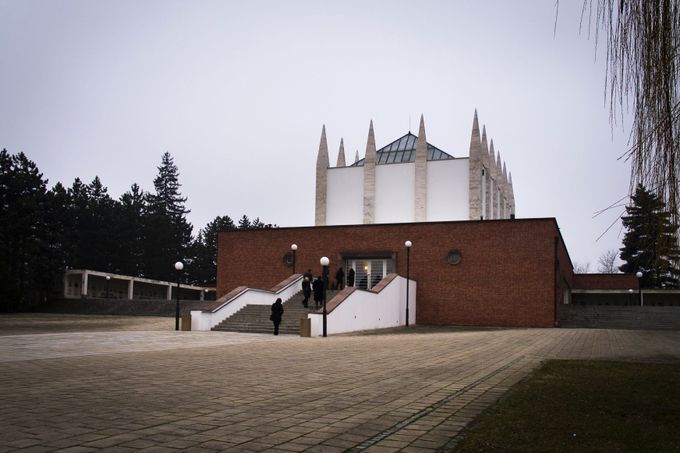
x: 108, y: 279
x: 638, y: 274
x: 324, y: 263
x: 293, y: 247
x: 408, y: 245
x: 178, y: 267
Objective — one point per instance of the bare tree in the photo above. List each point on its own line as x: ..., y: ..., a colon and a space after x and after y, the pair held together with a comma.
x: 606, y: 264
x: 581, y: 268
x: 642, y: 38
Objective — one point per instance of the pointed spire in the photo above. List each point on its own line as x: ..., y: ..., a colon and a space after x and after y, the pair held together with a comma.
x: 341, y: 155
x: 322, y: 156
x: 475, y: 142
x: 485, y: 145
x: 369, y: 177
x: 321, y: 180
x: 356, y: 157
x: 421, y: 143
x: 505, y: 173
x: 499, y: 165
x: 492, y: 152
x: 370, y: 156
x: 421, y: 174
x: 485, y: 150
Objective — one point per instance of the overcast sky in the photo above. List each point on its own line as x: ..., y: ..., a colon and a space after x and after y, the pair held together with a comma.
x: 237, y: 92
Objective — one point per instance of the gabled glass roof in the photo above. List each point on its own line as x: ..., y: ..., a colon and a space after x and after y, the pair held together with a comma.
x: 404, y: 150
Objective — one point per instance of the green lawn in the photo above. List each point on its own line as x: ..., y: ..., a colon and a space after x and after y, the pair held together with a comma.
x: 584, y: 406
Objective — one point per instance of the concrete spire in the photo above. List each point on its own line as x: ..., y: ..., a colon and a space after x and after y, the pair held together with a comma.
x: 356, y: 157
x: 492, y: 184
x: 341, y: 155
x: 475, y: 141
x: 485, y: 148
x: 421, y: 174
x: 505, y: 173
x: 369, y: 177
x: 475, y: 176
x: 321, y: 179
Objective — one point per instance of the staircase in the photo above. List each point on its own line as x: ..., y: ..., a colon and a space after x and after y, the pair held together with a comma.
x: 255, y: 318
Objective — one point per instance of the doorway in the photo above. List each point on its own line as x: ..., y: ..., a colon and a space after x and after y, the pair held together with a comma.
x: 368, y: 271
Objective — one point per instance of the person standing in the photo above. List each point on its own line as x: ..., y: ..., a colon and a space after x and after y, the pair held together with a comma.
x: 350, y: 277
x: 317, y: 286
x: 340, y: 278
x: 277, y: 315
x: 306, y: 291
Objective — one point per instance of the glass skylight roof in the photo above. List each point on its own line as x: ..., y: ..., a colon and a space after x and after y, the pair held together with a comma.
x: 404, y: 150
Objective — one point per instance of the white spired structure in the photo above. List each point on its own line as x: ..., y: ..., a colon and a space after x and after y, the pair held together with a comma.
x: 410, y: 180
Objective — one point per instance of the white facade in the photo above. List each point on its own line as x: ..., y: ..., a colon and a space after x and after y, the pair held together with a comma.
x: 410, y: 180
x: 345, y: 196
x: 447, y: 190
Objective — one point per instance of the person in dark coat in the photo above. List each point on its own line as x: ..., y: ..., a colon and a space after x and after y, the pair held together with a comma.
x: 340, y: 279
x: 350, y: 277
x: 317, y: 286
x: 306, y: 290
x: 277, y: 314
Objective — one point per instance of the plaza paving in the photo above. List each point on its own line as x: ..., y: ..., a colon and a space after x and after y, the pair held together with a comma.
x: 127, y: 384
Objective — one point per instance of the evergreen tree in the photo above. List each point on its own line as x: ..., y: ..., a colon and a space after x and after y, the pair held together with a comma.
x: 650, y: 243
x: 128, y: 256
x: 204, y: 262
x: 24, y: 276
x: 167, y: 232
x: 244, y: 223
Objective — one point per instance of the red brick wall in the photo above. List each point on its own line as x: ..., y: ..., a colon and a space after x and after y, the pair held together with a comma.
x: 605, y: 281
x: 506, y: 276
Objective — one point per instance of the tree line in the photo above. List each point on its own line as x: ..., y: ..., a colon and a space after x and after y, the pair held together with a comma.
x: 44, y: 231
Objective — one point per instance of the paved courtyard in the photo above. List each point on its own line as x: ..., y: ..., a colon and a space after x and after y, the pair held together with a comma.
x: 126, y: 384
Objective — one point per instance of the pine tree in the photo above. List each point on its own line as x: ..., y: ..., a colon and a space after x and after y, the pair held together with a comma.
x: 24, y: 267
x: 167, y: 232
x: 204, y: 263
x: 130, y: 216
x: 650, y: 243
x: 244, y: 223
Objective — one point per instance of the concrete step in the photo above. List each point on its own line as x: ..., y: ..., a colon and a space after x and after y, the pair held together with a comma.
x: 255, y: 318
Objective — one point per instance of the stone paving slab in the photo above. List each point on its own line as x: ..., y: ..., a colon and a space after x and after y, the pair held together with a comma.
x: 146, y: 390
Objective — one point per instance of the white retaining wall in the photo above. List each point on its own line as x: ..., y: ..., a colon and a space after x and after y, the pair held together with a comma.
x: 366, y: 310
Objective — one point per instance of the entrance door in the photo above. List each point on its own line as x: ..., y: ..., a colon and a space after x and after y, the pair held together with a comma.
x: 369, y: 272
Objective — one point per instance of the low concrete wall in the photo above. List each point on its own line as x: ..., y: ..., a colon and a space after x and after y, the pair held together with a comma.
x: 122, y: 307
x: 620, y: 317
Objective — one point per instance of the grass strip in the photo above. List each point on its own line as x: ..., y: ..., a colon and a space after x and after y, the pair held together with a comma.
x: 572, y: 405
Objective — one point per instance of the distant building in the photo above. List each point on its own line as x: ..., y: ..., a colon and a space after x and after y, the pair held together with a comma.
x: 410, y: 180
x: 89, y: 284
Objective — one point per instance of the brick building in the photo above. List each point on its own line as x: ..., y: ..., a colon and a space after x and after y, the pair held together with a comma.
x: 490, y: 273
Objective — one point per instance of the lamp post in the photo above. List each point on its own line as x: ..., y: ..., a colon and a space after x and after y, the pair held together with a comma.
x: 638, y: 274
x: 324, y: 263
x: 293, y: 247
x: 178, y: 267
x: 408, y: 245
x: 108, y: 279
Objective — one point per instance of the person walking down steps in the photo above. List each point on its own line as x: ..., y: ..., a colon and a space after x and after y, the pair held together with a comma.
x: 277, y: 314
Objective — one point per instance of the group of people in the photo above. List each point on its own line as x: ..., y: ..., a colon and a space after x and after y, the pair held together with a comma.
x: 311, y: 285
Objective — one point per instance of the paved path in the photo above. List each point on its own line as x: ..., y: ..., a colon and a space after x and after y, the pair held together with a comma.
x: 166, y: 391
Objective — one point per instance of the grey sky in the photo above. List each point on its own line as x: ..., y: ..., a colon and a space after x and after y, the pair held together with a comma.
x: 238, y: 91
